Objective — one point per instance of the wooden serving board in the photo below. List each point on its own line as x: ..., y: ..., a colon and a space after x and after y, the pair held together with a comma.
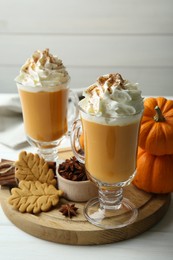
x: 55, y: 227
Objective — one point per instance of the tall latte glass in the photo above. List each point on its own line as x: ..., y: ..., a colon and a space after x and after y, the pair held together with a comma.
x: 110, y: 150
x: 43, y: 86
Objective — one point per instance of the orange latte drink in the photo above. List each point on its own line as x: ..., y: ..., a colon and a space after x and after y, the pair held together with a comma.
x: 45, y: 114
x: 110, y: 150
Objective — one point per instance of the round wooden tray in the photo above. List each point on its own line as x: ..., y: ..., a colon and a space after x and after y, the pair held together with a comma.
x: 55, y: 227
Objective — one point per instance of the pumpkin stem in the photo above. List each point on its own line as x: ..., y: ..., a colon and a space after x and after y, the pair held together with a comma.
x: 159, y: 116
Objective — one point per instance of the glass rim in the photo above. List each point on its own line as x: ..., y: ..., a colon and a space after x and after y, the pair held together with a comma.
x: 55, y: 83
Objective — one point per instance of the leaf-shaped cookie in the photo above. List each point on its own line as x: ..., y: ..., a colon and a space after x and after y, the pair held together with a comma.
x: 31, y: 167
x: 34, y: 197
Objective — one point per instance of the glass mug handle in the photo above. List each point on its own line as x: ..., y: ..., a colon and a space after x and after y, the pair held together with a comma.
x: 73, y: 111
x: 76, y: 132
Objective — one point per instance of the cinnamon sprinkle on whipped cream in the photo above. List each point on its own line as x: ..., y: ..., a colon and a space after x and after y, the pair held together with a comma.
x: 41, y: 69
x: 112, y: 95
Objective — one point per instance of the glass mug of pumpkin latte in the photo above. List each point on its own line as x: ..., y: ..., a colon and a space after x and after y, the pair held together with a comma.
x: 110, y: 133
x: 45, y: 101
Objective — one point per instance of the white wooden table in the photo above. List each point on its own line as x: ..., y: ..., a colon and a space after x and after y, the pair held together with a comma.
x: 156, y: 243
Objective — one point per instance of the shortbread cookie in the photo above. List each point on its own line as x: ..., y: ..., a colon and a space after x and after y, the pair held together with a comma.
x: 31, y: 167
x: 34, y: 197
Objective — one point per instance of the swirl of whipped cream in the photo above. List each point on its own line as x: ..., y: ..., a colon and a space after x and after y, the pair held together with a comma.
x: 42, y: 70
x: 111, y: 95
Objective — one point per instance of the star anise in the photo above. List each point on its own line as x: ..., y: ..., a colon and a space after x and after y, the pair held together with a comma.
x: 73, y: 170
x: 68, y: 210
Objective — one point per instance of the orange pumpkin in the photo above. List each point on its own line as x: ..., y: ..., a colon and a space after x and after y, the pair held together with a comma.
x: 154, y: 173
x: 156, y: 133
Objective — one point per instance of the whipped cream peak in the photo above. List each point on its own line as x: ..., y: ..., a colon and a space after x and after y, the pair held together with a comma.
x: 111, y: 95
x: 41, y: 69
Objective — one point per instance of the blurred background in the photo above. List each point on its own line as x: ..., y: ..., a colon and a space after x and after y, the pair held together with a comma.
x: 93, y: 37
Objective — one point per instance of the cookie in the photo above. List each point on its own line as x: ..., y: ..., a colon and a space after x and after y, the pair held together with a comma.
x: 31, y: 167
x: 34, y: 197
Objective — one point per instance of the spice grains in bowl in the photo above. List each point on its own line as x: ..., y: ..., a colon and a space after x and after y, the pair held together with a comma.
x: 73, y: 170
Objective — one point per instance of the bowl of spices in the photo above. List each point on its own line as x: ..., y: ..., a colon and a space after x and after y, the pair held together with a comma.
x: 73, y: 181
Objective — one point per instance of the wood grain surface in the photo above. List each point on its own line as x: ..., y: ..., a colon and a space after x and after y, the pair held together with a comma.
x: 55, y: 227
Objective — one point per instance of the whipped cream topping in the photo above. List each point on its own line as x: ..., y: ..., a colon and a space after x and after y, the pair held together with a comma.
x: 111, y: 95
x: 43, y: 70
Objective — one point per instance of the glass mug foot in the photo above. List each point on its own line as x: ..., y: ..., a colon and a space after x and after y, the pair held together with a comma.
x: 110, y: 210
x: 110, y: 218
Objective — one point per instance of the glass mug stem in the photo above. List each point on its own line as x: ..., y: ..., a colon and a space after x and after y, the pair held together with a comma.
x: 110, y: 199
x: 47, y: 150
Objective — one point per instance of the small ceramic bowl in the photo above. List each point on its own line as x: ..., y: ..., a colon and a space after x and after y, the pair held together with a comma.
x: 79, y: 191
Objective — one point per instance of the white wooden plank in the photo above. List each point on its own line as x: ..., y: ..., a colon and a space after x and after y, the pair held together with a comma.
x: 153, y: 81
x: 91, y: 50
x: 86, y: 17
